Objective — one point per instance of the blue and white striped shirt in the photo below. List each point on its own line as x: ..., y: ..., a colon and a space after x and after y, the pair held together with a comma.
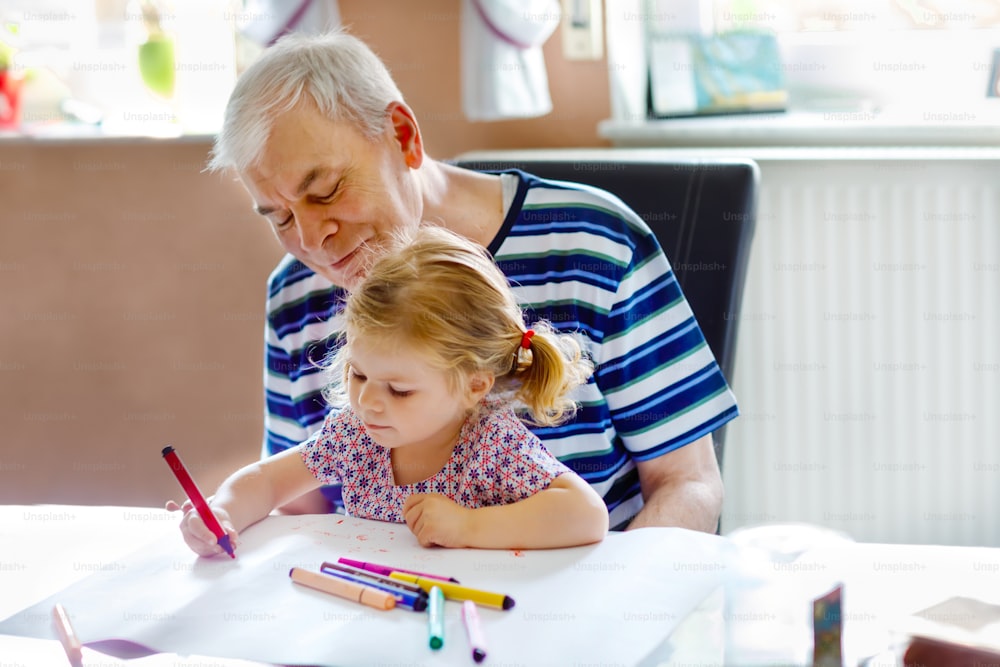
x: 579, y: 258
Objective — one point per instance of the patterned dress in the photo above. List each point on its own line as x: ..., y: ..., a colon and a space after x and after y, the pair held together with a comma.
x: 496, y: 461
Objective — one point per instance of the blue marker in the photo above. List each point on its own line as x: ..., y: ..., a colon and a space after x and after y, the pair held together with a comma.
x: 413, y: 588
x: 435, y: 618
x: 404, y: 598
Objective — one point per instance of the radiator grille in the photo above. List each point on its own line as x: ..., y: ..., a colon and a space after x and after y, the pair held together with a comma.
x: 868, y: 368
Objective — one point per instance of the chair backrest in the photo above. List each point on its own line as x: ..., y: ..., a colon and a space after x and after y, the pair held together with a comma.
x: 703, y: 213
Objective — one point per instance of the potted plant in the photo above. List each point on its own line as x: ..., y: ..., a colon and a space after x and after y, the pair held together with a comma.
x: 156, y: 54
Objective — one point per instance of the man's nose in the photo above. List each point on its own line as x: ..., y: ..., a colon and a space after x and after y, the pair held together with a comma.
x: 314, y: 227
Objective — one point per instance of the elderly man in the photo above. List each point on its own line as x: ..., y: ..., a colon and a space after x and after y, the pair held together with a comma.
x: 321, y: 137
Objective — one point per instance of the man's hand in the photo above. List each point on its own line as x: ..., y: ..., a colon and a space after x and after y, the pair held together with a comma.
x: 437, y: 520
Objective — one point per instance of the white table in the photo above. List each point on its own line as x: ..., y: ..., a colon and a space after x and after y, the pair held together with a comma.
x: 124, y: 572
x: 44, y: 549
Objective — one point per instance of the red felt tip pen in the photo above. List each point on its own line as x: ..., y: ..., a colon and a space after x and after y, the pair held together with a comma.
x: 198, y: 500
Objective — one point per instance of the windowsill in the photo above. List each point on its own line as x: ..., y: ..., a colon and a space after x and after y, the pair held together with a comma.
x: 977, y: 125
x: 763, y: 155
x: 66, y: 131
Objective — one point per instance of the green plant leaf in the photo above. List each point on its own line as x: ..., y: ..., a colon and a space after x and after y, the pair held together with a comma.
x: 156, y: 64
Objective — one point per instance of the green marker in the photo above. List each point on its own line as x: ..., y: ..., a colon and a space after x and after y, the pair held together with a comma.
x: 435, y: 618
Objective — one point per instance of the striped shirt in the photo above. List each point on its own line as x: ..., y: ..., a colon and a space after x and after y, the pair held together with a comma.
x: 579, y: 258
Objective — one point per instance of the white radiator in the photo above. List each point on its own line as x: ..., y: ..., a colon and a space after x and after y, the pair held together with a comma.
x: 868, y: 368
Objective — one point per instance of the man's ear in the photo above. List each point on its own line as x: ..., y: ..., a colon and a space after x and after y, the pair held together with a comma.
x: 479, y: 385
x: 406, y: 133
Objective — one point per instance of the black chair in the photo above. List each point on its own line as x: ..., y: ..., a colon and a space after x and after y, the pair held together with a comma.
x: 703, y: 213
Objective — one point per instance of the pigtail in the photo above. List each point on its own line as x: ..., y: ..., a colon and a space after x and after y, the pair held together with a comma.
x: 548, y: 366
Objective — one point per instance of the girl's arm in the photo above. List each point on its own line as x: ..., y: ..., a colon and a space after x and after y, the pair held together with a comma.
x: 566, y: 513
x: 249, y: 495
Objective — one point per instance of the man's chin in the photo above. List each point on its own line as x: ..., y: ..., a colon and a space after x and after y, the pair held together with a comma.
x: 347, y: 281
x: 351, y: 282
x: 353, y: 269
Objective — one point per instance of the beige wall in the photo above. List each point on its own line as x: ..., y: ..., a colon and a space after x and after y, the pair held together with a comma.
x: 419, y: 41
x: 132, y: 284
x: 131, y: 293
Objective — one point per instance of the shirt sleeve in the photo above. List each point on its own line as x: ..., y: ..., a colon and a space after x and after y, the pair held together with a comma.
x: 510, y: 462
x: 662, y: 383
x: 300, y: 330
x: 323, y: 453
x: 277, y: 402
x: 283, y: 427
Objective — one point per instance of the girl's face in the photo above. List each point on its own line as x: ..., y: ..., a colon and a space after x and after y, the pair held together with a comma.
x: 404, y: 402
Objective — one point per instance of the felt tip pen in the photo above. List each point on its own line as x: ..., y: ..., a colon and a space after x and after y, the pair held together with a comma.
x: 387, y: 570
x: 408, y: 599
x: 460, y: 593
x: 374, y: 576
x: 67, y: 636
x: 435, y: 618
x: 470, y: 618
x: 367, y: 595
x: 197, y: 499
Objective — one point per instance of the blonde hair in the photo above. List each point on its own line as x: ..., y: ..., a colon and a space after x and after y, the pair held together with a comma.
x: 441, y: 295
x: 336, y: 71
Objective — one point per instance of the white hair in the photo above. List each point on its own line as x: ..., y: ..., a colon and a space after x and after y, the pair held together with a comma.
x: 338, y: 71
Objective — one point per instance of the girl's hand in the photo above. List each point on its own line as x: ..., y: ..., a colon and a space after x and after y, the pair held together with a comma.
x: 436, y: 520
x: 197, y: 535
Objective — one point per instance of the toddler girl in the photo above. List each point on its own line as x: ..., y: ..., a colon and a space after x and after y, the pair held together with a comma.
x: 434, y: 360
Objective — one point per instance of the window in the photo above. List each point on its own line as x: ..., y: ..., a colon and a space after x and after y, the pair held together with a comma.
x: 138, y: 67
x: 914, y: 60
x: 856, y: 16
x: 889, y: 55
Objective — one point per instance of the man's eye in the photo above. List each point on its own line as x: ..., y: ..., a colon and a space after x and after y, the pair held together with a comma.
x: 282, y: 224
x: 328, y: 198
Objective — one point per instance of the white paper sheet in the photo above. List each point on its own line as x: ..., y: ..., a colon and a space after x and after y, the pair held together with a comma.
x: 609, y: 603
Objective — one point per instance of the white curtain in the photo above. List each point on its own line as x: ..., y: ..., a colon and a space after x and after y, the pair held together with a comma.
x: 265, y: 21
x: 503, y: 71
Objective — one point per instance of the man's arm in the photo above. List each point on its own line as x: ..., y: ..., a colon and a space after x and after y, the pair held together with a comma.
x: 682, y: 488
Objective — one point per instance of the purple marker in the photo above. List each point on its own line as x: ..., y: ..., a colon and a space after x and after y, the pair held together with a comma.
x: 385, y: 570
